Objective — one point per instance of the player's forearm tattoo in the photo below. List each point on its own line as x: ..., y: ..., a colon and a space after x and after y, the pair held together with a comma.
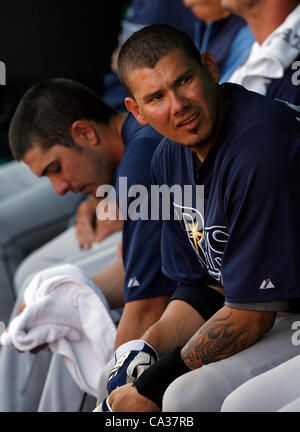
x: 218, y: 338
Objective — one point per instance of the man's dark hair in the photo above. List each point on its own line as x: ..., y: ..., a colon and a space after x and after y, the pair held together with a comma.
x: 148, y: 45
x: 47, y: 111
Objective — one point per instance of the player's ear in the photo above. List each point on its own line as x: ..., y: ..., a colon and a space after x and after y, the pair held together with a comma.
x: 210, y: 64
x: 83, y: 133
x: 133, y: 107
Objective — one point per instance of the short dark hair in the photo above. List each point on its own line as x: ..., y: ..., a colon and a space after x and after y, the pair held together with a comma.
x: 148, y: 45
x: 47, y: 111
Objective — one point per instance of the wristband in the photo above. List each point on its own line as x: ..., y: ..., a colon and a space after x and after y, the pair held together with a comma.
x: 154, y: 381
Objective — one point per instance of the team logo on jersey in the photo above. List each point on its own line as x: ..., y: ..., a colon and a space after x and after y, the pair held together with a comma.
x: 208, y: 242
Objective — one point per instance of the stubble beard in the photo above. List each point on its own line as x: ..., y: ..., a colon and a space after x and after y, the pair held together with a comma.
x: 241, y: 9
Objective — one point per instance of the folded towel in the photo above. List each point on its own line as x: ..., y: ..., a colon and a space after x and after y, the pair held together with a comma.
x: 65, y: 309
x: 272, y: 58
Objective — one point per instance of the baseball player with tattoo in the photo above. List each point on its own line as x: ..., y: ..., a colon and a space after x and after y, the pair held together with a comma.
x: 244, y: 149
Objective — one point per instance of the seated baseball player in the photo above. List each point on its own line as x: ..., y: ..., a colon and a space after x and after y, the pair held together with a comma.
x: 79, y: 143
x: 244, y: 149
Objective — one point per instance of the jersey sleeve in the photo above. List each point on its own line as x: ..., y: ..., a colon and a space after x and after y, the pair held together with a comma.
x: 260, y: 186
x: 142, y: 262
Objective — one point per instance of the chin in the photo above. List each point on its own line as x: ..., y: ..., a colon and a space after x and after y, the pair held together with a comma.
x: 195, y: 144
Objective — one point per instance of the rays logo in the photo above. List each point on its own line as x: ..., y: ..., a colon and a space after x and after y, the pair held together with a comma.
x: 207, y: 242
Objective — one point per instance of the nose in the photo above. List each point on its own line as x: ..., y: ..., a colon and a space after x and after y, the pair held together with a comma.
x: 60, y: 186
x: 178, y: 103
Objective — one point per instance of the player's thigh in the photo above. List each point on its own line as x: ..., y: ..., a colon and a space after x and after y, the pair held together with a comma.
x: 267, y: 392
x: 206, y: 388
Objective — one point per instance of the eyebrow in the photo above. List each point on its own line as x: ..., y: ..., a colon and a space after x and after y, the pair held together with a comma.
x: 175, y: 83
x: 151, y: 95
x: 183, y: 75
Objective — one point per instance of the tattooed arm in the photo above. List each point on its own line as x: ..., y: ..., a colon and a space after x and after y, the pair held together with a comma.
x: 224, y: 334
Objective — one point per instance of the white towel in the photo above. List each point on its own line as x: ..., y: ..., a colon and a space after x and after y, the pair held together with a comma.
x: 271, y: 59
x: 63, y: 310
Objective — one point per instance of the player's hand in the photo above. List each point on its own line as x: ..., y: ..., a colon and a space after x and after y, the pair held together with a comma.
x: 105, y: 228
x: 132, y: 359
x: 85, y: 221
x: 39, y: 347
x: 89, y: 229
x: 127, y: 399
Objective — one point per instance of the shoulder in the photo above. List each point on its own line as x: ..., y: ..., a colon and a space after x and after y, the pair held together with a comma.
x: 263, y: 132
x: 140, y: 145
x: 167, y: 155
x: 266, y: 151
x: 161, y: 150
x: 132, y: 132
x: 159, y: 160
x: 169, y: 150
x: 140, y: 141
x: 286, y: 88
x: 249, y: 113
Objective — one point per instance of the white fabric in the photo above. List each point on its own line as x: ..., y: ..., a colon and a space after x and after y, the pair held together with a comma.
x: 133, y: 345
x: 271, y: 59
x: 63, y: 310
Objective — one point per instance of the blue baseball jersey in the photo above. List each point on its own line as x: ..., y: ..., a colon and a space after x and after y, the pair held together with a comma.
x: 141, y: 238
x: 245, y: 234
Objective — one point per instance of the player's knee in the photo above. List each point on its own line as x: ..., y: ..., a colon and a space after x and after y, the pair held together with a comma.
x: 233, y: 403
x: 176, y: 397
x: 201, y: 390
x: 187, y: 394
x: 244, y: 398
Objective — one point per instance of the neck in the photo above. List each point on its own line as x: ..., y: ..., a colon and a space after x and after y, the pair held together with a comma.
x: 271, y: 12
x: 115, y: 127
